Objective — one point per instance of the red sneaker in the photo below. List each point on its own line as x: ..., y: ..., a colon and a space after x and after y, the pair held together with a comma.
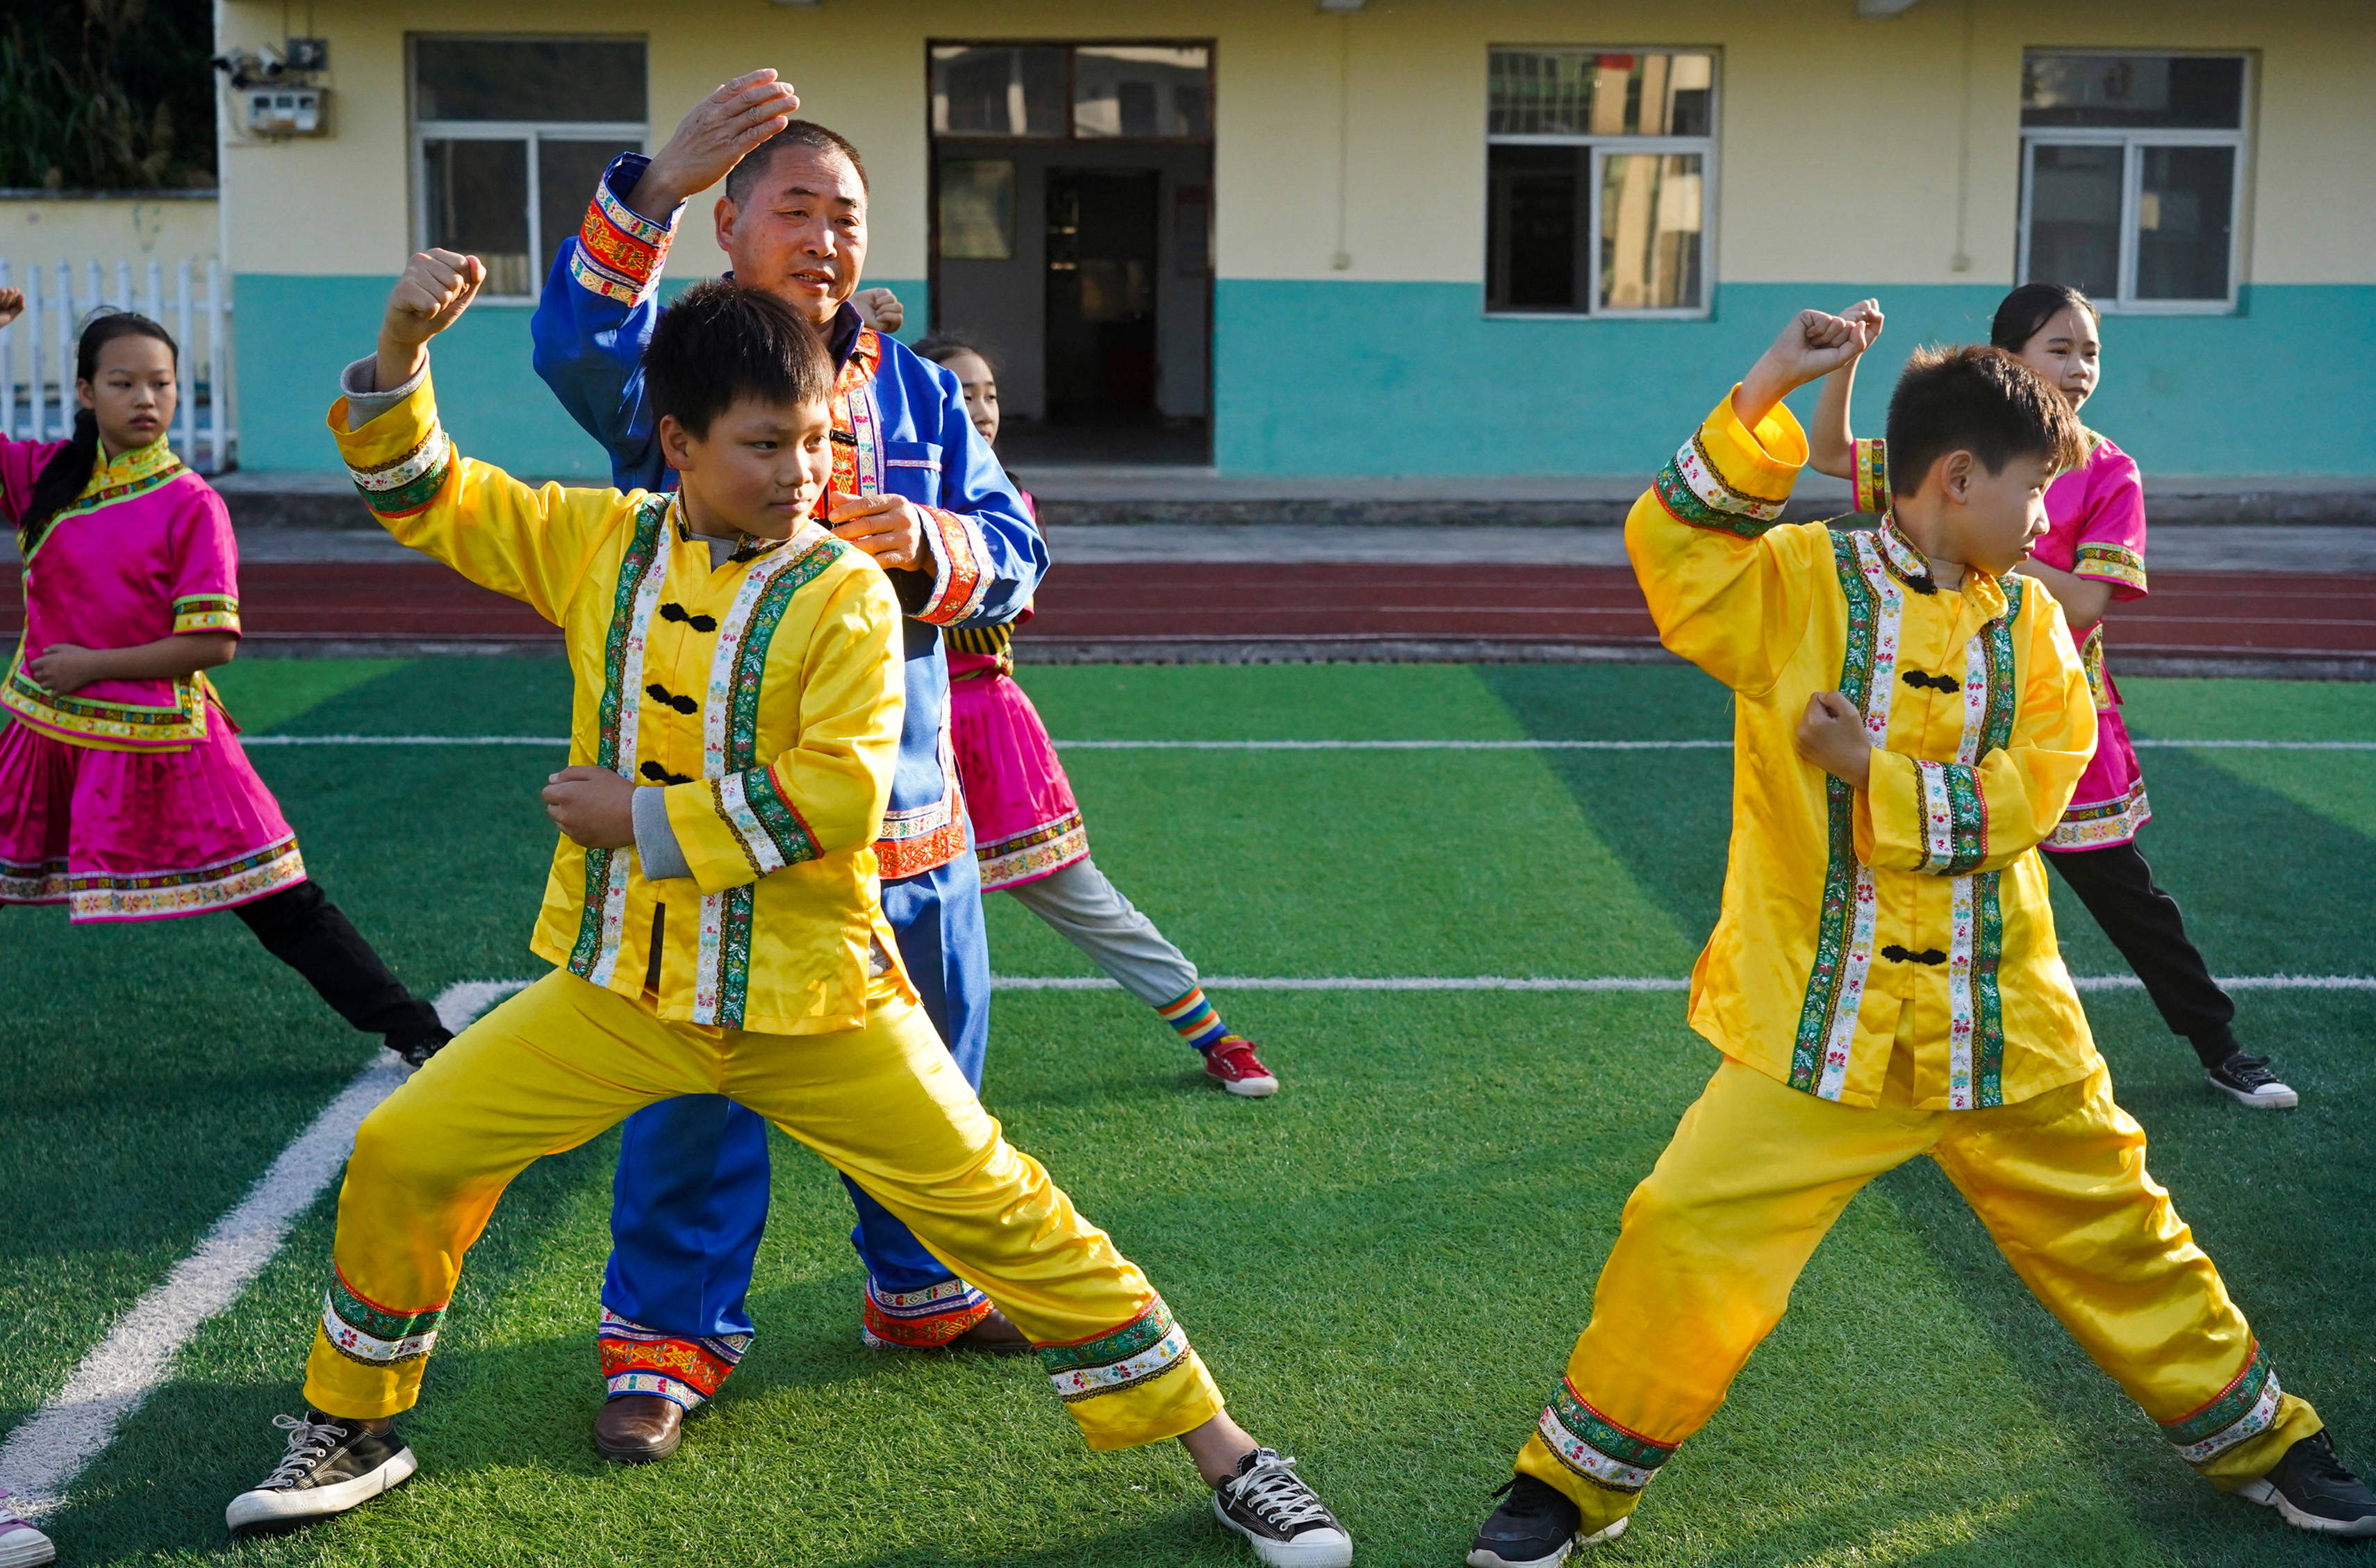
x: 1233, y: 1064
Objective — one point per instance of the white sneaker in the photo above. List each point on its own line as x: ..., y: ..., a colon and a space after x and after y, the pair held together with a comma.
x: 21, y: 1546
x: 1281, y: 1516
x: 332, y: 1466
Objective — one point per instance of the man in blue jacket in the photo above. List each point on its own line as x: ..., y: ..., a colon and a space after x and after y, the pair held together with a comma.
x: 916, y: 488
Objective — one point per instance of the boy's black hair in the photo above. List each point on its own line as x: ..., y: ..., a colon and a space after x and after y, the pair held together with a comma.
x: 2030, y: 307
x: 799, y: 133
x: 1980, y: 400
x: 721, y: 341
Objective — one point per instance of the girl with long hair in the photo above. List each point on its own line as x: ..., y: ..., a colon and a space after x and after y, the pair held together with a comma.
x: 125, y: 793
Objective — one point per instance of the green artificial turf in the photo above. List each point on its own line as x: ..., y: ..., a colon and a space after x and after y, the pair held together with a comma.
x: 1385, y: 1266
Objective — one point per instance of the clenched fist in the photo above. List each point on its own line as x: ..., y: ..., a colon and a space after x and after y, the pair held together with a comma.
x: 436, y: 288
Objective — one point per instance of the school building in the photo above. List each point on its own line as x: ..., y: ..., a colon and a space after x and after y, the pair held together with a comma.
x: 1370, y: 237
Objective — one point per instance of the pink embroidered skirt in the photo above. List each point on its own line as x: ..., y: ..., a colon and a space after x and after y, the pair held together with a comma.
x: 138, y: 836
x: 1026, y: 823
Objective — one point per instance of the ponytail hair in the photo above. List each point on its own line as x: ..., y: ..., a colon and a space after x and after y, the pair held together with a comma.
x: 2030, y: 307
x: 70, y: 467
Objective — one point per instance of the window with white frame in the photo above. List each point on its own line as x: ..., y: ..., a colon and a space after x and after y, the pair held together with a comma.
x: 2132, y: 170
x: 1599, y: 168
x: 509, y: 136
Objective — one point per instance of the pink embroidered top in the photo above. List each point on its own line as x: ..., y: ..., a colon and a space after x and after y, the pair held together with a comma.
x: 2096, y: 528
x: 145, y: 551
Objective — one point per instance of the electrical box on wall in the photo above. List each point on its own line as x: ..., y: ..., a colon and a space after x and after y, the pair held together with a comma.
x: 286, y: 110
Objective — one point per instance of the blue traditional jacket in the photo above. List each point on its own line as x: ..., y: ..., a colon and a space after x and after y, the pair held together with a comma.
x: 900, y: 428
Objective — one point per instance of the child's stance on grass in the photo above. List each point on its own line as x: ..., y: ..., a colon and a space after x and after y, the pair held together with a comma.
x: 2091, y: 559
x: 1884, y: 981
x: 712, y: 910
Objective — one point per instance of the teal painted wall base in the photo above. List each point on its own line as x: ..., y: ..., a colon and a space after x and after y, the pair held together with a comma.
x: 1322, y: 378
x: 297, y: 333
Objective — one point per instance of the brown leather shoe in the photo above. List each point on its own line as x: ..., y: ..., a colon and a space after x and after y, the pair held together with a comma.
x: 637, y: 1429
x: 993, y: 1336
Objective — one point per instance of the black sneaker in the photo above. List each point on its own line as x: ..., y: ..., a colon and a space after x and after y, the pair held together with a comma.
x: 332, y: 1466
x: 1535, y: 1528
x: 416, y: 1049
x: 1267, y: 1503
x: 2312, y: 1491
x: 21, y: 1546
x: 2248, y: 1081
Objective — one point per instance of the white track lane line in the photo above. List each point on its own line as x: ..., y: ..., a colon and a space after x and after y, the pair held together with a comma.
x: 1601, y: 982
x: 561, y: 742
x: 52, y: 1446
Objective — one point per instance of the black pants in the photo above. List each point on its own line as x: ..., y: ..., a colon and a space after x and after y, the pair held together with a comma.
x: 302, y: 928
x: 2117, y: 887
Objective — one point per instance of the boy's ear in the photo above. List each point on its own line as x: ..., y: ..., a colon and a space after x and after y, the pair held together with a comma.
x: 676, y: 444
x: 1955, y: 472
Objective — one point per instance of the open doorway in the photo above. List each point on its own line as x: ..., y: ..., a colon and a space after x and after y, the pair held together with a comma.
x: 1072, y: 221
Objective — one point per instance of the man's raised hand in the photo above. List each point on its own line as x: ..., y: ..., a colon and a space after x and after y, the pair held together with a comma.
x: 712, y: 138
x: 1865, y: 319
x: 436, y: 288
x: 11, y: 304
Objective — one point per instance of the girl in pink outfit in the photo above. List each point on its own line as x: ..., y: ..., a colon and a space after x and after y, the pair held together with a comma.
x: 124, y: 794
x: 2091, y: 558
x: 1027, y: 828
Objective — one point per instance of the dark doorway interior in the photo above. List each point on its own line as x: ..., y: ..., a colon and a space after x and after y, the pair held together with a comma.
x: 1103, y: 255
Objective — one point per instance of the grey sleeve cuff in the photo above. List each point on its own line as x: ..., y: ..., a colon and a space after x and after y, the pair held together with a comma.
x: 655, y: 844
x: 365, y: 402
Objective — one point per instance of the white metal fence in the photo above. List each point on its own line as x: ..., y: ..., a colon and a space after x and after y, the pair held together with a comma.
x: 37, y: 352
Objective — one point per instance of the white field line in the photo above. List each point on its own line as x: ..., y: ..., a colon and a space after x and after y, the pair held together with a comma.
x: 561, y: 741
x: 52, y: 1446
x: 1601, y: 982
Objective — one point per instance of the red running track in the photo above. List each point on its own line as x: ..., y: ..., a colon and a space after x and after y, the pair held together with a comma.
x: 2298, y: 615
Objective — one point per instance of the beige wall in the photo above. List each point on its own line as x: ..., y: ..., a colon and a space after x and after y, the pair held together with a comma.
x: 43, y: 230
x: 1840, y: 139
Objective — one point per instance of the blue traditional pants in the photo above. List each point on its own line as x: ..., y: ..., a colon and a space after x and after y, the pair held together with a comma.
x: 690, y: 1199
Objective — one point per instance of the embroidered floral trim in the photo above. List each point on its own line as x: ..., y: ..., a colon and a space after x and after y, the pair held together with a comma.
x: 33, y: 882
x: 1844, y: 933
x: 2112, y: 563
x: 1596, y: 1447
x: 926, y: 1319
x: 2242, y: 1410
x: 643, y: 571
x: 406, y: 485
x: 619, y: 251
x: 746, y: 795
x: 637, y: 1360
x: 121, y: 726
x: 1871, y: 478
x: 961, y: 577
x: 1898, y: 553
x: 206, y: 613
x: 1141, y: 1350
x: 1694, y: 490
x: 2102, y: 822
x: 1047, y: 848
x: 107, y: 896
x: 134, y: 473
x: 362, y: 1330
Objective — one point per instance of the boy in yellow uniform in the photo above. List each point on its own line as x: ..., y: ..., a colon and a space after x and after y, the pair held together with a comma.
x: 1882, y: 980
x: 711, y: 910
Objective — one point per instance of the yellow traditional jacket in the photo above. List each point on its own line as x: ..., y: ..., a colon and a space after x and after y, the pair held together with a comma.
x: 763, y: 695
x: 1851, y: 914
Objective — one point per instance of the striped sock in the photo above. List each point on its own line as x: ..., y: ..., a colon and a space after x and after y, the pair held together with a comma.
x: 1194, y: 1018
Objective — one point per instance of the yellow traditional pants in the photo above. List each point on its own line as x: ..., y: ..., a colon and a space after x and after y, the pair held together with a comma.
x: 564, y: 1059
x: 1713, y: 1240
